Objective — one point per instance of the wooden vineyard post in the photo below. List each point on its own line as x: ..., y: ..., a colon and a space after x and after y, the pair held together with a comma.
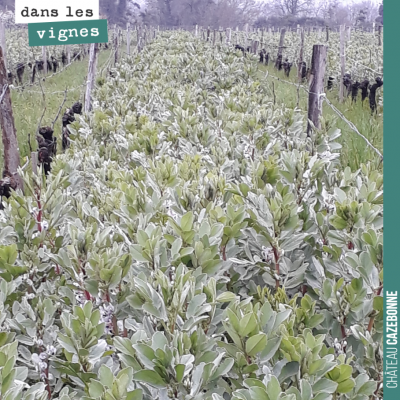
x: 317, y: 76
x: 128, y: 38
x: 214, y: 36
x: 137, y: 35
x: 228, y: 35
x: 280, y: 49
x: 44, y: 57
x: 68, y: 47
x: 116, y: 46
x: 94, y: 50
x: 342, y: 62
x: 3, y: 42
x: 349, y: 33
x: 208, y: 34
x: 254, y: 46
x: 34, y: 162
x: 380, y: 35
x: 299, y: 72
x: 196, y: 30
x: 10, y: 143
x: 327, y: 33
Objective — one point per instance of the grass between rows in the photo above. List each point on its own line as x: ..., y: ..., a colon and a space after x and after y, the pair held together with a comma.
x: 28, y: 103
x: 355, y: 151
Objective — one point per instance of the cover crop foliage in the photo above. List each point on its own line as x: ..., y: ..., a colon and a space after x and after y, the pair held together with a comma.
x: 193, y: 243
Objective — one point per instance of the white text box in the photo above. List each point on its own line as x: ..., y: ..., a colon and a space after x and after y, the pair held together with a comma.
x: 31, y: 11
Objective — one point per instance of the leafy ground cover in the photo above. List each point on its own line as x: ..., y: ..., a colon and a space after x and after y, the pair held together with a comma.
x: 193, y: 243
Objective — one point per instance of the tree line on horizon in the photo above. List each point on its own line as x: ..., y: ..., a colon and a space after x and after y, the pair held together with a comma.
x: 229, y: 13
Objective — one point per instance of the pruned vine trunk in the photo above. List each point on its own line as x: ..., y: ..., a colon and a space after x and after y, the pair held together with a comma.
x: 278, y: 62
x: 300, y: 64
x: 44, y: 57
x: 10, y: 143
x: 317, y: 75
x: 3, y: 42
x: 128, y: 39
x: 94, y: 50
x: 342, y: 62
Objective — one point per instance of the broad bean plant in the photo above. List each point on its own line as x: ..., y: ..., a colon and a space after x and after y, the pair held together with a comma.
x: 193, y: 243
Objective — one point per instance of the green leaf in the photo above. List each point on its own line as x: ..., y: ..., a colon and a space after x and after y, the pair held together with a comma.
x: 96, y: 389
x: 266, y: 313
x: 250, y: 382
x: 136, y: 253
x: 226, y: 297
x: 367, y: 389
x: 357, y: 284
x: 195, y: 304
x: 223, y: 368
x: 378, y: 303
x: 346, y: 386
x: 316, y: 365
x: 136, y: 394
x: 345, y: 372
x: 281, y: 317
x: 315, y: 320
x: 187, y: 222
x: 233, y: 319
x: 179, y: 370
x: 254, y: 393
x: 255, y: 344
x: 244, y: 189
x: 325, y: 385
x: 274, y: 388
x: 186, y: 251
x: 270, y: 349
x: 150, y: 377
x: 326, y: 396
x: 106, y: 376
x: 305, y: 389
x: 290, y: 369
x: 176, y: 246
x: 338, y: 222
x: 247, y: 324
x: 7, y: 382
x: 146, y: 354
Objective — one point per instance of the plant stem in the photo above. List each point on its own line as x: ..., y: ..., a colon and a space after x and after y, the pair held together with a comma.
x: 370, y: 324
x: 115, y: 325
x: 276, y: 255
x: 224, y: 252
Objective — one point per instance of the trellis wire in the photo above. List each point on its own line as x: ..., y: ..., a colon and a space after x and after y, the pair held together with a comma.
x: 340, y: 115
